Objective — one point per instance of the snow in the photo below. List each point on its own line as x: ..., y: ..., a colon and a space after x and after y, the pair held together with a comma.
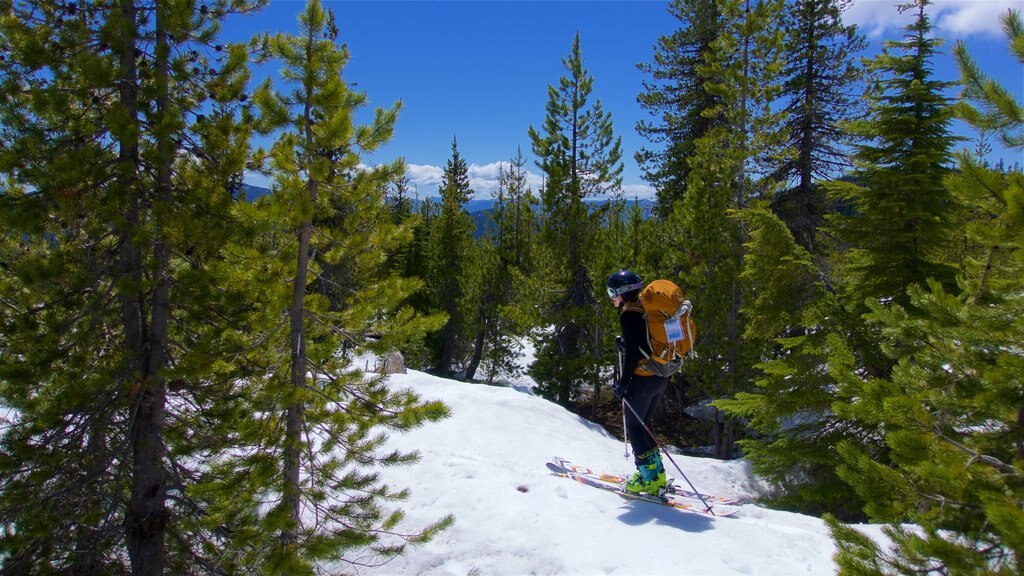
x: 486, y: 465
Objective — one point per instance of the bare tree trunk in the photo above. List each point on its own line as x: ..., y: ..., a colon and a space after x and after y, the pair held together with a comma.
x: 299, y: 363
x: 448, y: 338
x: 146, y: 514
x: 1020, y: 434
x: 725, y: 433
x: 478, y: 353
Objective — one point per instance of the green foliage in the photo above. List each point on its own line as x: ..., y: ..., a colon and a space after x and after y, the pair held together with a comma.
x: 505, y: 254
x: 730, y: 168
x: 899, y: 221
x: 451, y: 240
x: 106, y: 362
x: 790, y: 406
x: 988, y: 105
x: 143, y: 355
x: 580, y: 157
x: 818, y: 93
x: 951, y: 413
x: 676, y: 96
x: 317, y: 425
x: 858, y: 553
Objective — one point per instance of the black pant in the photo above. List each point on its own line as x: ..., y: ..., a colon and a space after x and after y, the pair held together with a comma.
x: 644, y: 394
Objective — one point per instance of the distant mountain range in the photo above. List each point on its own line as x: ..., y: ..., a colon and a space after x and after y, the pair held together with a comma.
x: 254, y: 192
x: 479, y: 209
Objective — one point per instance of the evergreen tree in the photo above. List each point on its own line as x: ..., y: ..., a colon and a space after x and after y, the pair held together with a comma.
x: 109, y: 169
x: 402, y: 205
x: 820, y: 73
x: 317, y: 421
x: 417, y: 264
x: 581, y: 157
x: 826, y: 347
x: 450, y: 243
x: 514, y: 238
x: 994, y: 109
x: 503, y: 255
x: 790, y: 405
x: 515, y: 215
x: 791, y: 302
x: 898, y: 222
x: 675, y: 95
x: 951, y: 414
x: 730, y: 170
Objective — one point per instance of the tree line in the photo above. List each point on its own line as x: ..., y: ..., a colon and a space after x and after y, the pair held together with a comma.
x: 183, y: 370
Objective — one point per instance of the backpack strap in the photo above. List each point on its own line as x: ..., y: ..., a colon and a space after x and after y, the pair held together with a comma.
x: 635, y: 306
x: 632, y: 306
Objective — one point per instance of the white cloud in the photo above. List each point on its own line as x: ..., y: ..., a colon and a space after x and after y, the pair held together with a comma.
x: 487, y: 171
x: 638, y: 191
x: 977, y: 16
x: 424, y: 176
x: 951, y: 18
x: 483, y: 179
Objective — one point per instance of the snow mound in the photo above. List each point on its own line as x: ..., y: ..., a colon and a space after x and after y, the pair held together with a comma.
x: 486, y: 465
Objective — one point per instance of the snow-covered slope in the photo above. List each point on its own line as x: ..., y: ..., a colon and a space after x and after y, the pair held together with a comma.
x: 486, y: 465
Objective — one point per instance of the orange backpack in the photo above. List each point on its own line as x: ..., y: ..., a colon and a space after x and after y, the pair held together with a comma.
x: 670, y: 330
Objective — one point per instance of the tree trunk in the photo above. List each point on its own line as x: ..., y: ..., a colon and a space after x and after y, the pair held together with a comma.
x: 478, y: 353
x: 1020, y: 434
x: 146, y: 514
x: 88, y: 555
x: 724, y: 448
x: 299, y: 364
x: 448, y: 337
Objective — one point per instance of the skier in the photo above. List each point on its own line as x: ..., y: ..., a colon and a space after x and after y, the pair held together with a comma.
x: 636, y: 385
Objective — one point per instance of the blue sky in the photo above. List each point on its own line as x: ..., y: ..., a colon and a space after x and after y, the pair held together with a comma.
x: 479, y: 70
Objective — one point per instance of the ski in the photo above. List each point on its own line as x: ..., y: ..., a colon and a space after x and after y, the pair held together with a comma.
x: 667, y: 500
x: 673, y: 489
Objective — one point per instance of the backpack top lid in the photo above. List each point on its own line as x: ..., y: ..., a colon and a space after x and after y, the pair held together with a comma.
x: 663, y: 299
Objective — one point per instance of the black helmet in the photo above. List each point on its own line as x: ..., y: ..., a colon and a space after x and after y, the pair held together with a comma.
x: 623, y: 281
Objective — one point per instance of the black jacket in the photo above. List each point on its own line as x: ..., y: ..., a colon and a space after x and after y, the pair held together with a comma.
x: 634, y: 338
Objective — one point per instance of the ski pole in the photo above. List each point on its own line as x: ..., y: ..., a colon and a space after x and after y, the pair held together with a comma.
x: 662, y: 448
x: 625, y: 435
x: 616, y: 372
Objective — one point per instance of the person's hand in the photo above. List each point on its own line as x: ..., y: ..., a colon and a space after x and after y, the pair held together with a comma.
x: 620, y: 389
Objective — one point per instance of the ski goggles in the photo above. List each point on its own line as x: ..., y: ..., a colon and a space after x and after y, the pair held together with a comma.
x: 613, y: 292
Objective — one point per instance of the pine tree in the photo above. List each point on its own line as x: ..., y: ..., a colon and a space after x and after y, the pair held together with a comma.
x: 316, y: 423
x: 451, y: 241
x: 790, y: 301
x: 581, y: 157
x: 675, y: 95
x: 502, y: 255
x: 820, y: 74
x: 994, y: 109
x: 516, y: 215
x: 898, y: 222
x: 951, y: 412
x: 398, y: 198
x: 417, y: 264
x: 103, y: 179
x: 790, y: 405
x: 514, y: 238
x: 730, y: 170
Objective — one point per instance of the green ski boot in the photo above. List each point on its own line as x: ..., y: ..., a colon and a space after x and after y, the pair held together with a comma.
x: 650, y: 475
